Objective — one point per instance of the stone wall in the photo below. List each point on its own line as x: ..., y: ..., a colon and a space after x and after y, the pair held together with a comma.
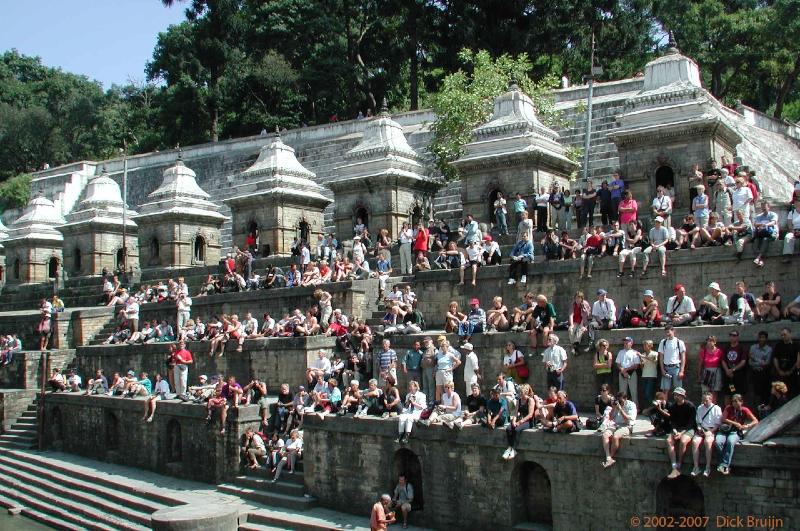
x: 25, y: 371
x: 14, y: 402
x: 274, y: 360
x: 557, y: 480
x: 177, y: 443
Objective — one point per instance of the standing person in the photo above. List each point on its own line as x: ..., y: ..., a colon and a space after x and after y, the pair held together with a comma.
x: 662, y: 206
x: 568, y: 202
x: 447, y: 360
x: 709, y: 373
x: 603, y: 359
x: 428, y: 367
x: 627, y: 209
x: 472, y: 373
x: 589, y: 201
x: 542, y: 202
x: 500, y: 214
x: 387, y: 362
x: 380, y: 518
x: 406, y: 239
x: 604, y: 196
x: 554, y: 358
x: 412, y: 361
x: 759, y: 359
x: 520, y: 206
x: 617, y: 187
x: 403, y: 498
x: 649, y: 360
x: 734, y: 363
x: 44, y: 327
x: 628, y: 362
x: 556, y: 201
x: 184, y: 306
x: 786, y: 361
x: 182, y: 358
x: 525, y: 226
x: 421, y: 241
x: 671, y: 360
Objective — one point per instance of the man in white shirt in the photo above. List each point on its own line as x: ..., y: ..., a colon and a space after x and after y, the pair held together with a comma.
x: 132, y: 314
x: 680, y: 309
x: 742, y: 198
x: 305, y: 254
x: 709, y: 418
x: 554, y: 358
x: 628, y: 362
x: 471, y: 368
x: 618, y: 425
x: 659, y: 236
x: 184, y: 305
x: 604, y: 312
x: 671, y: 360
x: 359, y: 250
x: 662, y: 206
x: 793, y: 232
x: 320, y: 367
x: 406, y: 239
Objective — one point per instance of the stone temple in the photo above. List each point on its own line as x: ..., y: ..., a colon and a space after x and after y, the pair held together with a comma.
x: 186, y: 209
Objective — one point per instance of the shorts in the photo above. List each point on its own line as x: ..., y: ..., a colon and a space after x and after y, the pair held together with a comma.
x: 623, y: 431
x: 263, y: 403
x: 444, y: 377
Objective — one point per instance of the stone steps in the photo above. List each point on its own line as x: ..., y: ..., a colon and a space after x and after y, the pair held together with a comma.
x: 23, y: 432
x: 267, y: 498
x: 261, y: 520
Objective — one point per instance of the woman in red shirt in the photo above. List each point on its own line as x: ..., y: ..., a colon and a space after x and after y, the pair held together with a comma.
x: 709, y: 370
x: 628, y: 209
x: 421, y: 240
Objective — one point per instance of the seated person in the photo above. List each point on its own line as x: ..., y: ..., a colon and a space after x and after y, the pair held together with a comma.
x: 73, y: 381
x: 496, y: 411
x: 714, y: 306
x: 551, y: 246
x: 160, y: 392
x: 680, y: 309
x: 351, y: 399
x: 619, y: 419
x: 565, y: 416
x: 475, y: 412
x: 99, y: 384
x: 371, y: 400
x: 253, y: 448
x: 233, y: 392
x: 522, y: 315
x: 570, y: 248
x: 217, y: 403
x: 497, y: 316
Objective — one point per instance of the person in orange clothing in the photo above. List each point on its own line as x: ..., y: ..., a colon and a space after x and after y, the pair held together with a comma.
x: 380, y: 518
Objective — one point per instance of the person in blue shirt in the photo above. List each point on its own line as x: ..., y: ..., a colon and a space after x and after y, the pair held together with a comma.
x: 496, y: 410
x: 521, y: 256
x: 617, y: 187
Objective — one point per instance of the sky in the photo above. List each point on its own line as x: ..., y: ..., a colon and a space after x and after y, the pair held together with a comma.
x: 106, y: 40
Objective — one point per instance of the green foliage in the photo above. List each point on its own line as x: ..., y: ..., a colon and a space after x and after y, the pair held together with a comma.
x: 15, y: 192
x: 466, y: 99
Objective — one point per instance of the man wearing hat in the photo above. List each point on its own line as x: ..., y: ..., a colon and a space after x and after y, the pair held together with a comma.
x: 491, y: 251
x: 682, y: 416
x: 659, y: 236
x: 474, y: 322
x: 628, y: 362
x: 471, y: 368
x: 662, y: 206
x: 680, y: 310
x: 604, y: 312
x: 714, y: 305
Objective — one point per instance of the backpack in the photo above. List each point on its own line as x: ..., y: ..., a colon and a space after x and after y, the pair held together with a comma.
x: 516, y: 386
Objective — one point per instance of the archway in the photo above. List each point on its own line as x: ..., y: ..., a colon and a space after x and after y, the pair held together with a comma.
x: 665, y: 177
x: 407, y: 463
x: 305, y: 230
x: 534, y: 495
x: 15, y: 270
x: 52, y: 267
x: 120, y: 259
x: 199, y: 249
x: 155, y: 251
x: 416, y: 215
x: 112, y: 431
x: 174, y: 442
x: 679, y: 497
x: 490, y: 204
x: 78, y: 260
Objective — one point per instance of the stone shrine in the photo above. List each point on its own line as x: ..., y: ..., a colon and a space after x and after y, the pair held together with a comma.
x: 383, y: 182
x: 512, y: 152
x: 671, y: 124
x: 178, y: 225
x: 34, y: 246
x: 93, y: 234
x: 277, y: 201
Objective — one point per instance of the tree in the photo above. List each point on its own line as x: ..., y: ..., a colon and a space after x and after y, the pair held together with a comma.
x: 15, y: 192
x: 466, y: 100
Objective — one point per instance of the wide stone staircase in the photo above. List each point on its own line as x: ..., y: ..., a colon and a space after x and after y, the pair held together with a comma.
x: 23, y: 433
x: 65, y: 497
x: 287, y: 493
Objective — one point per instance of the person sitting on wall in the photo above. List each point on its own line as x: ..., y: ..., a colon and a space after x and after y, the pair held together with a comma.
x: 164, y: 332
x: 491, y: 251
x: 659, y: 237
x: 595, y: 247
x: 138, y: 387
x: 778, y: 397
x: 714, y: 306
x: 565, y: 416
x: 680, y: 309
x: 682, y: 416
x: 619, y: 419
x: 522, y: 315
x: 614, y: 239
x: 475, y: 412
x: 742, y: 305
x: 521, y: 256
x: 73, y: 381
x: 631, y: 246
x: 474, y: 322
x: 524, y: 419
x: 217, y: 403
x: 233, y: 392
x: 474, y: 259
x: 570, y: 248
x: 160, y: 392
x: 543, y: 321
x: 604, y: 313
x: 708, y: 420
x: 413, y: 406
x: 97, y: 385
x: 650, y: 310
x: 496, y: 411
x: 768, y: 306
x: 658, y: 415
x: 328, y: 399
x: 117, y: 385
x: 551, y: 245
x: 496, y: 316
x: 736, y: 421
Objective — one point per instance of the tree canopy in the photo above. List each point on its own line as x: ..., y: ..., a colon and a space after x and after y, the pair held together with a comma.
x: 235, y: 67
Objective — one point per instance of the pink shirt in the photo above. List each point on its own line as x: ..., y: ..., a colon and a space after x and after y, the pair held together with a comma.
x: 710, y: 359
x: 627, y: 217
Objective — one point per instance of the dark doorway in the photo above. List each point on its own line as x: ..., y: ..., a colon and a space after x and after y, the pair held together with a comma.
x: 56, y: 426
x: 78, y: 258
x: 199, y: 249
x: 52, y: 268
x: 120, y: 259
x: 305, y: 230
x: 679, y: 497
x: 362, y: 214
x: 492, y: 198
x: 536, y: 505
x: 407, y: 463
x: 416, y: 216
x: 155, y: 251
x: 174, y: 442
x: 16, y: 269
x: 112, y: 431
x: 665, y: 177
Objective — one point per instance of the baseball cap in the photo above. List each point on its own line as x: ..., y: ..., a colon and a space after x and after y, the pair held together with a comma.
x: 131, y: 373
x: 659, y: 219
x: 487, y: 237
x: 474, y: 301
x: 601, y: 291
x: 301, y: 388
x: 204, y: 377
x: 679, y: 391
x: 647, y: 293
x: 628, y: 338
x: 714, y: 285
x: 467, y: 346
x: 677, y: 287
